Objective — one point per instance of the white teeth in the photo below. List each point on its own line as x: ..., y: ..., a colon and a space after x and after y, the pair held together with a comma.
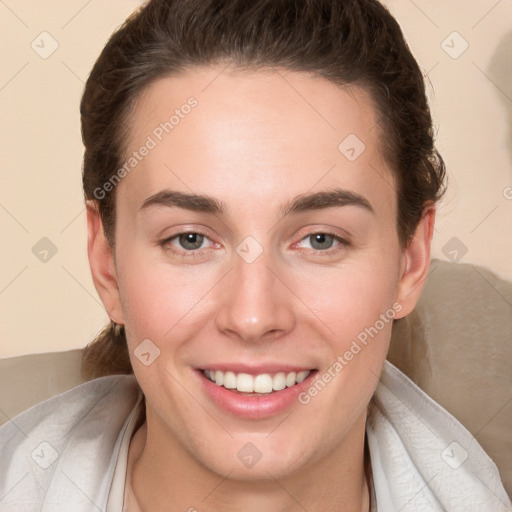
x: 229, y: 380
x: 245, y: 382
x: 290, y: 379
x: 301, y: 376
x: 219, y: 377
x: 279, y: 381
x: 263, y: 383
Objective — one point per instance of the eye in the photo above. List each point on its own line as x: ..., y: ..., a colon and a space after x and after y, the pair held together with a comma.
x: 191, y: 241
x: 186, y: 242
x: 324, y: 242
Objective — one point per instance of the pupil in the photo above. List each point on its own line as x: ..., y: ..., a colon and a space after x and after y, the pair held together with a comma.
x: 323, y: 240
x: 191, y: 240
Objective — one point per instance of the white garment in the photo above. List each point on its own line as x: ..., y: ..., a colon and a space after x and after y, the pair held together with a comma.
x: 69, y: 452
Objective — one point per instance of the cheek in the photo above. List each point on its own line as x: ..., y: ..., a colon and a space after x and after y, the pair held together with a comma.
x: 357, y: 305
x: 350, y: 298
x: 157, y: 298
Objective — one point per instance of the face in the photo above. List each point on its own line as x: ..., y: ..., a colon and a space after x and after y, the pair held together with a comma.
x: 256, y: 246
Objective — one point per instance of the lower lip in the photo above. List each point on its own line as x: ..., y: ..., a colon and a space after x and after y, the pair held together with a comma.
x: 255, y: 406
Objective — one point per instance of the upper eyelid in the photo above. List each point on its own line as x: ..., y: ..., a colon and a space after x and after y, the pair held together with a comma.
x: 343, y: 241
x: 176, y: 235
x: 185, y: 232
x: 198, y: 232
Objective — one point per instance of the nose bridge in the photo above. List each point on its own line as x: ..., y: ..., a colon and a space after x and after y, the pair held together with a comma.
x: 254, y: 304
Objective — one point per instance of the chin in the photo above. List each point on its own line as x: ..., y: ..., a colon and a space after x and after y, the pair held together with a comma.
x: 257, y: 457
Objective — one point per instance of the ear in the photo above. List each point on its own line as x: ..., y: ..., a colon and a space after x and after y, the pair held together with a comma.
x: 415, y: 263
x: 101, y: 261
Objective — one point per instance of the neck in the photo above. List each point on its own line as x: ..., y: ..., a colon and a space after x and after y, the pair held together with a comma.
x: 164, y: 476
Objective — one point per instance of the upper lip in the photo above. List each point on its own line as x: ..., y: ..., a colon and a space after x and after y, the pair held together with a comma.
x: 258, y: 369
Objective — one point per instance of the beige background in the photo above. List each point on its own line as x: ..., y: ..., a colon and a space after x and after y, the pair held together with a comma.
x: 52, y: 305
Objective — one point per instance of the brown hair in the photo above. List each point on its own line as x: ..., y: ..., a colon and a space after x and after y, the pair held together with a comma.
x: 345, y: 41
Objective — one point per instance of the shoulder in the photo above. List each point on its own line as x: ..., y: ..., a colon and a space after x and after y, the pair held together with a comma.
x: 64, y: 410
x: 422, y: 457
x: 65, y: 442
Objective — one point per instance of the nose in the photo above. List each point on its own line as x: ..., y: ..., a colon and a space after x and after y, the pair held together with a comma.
x: 255, y: 305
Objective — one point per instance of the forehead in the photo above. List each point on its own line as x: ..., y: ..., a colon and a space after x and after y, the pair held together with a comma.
x: 273, y: 133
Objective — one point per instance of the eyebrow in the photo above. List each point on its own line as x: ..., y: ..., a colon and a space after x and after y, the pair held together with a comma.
x: 302, y: 203
x: 326, y: 199
x: 194, y: 202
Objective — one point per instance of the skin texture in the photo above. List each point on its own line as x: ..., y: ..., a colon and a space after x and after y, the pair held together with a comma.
x: 255, y: 141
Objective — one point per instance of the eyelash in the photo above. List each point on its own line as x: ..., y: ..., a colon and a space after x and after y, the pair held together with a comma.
x: 343, y: 244
x: 166, y: 243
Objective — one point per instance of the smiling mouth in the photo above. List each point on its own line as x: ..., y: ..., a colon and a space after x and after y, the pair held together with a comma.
x: 262, y: 384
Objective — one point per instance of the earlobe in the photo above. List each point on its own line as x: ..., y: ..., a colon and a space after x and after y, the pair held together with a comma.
x: 101, y: 261
x: 416, y: 262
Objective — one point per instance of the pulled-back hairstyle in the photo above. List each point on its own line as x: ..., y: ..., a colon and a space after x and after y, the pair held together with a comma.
x: 345, y: 41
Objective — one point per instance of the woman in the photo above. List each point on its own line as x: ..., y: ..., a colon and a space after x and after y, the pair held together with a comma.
x: 260, y: 180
